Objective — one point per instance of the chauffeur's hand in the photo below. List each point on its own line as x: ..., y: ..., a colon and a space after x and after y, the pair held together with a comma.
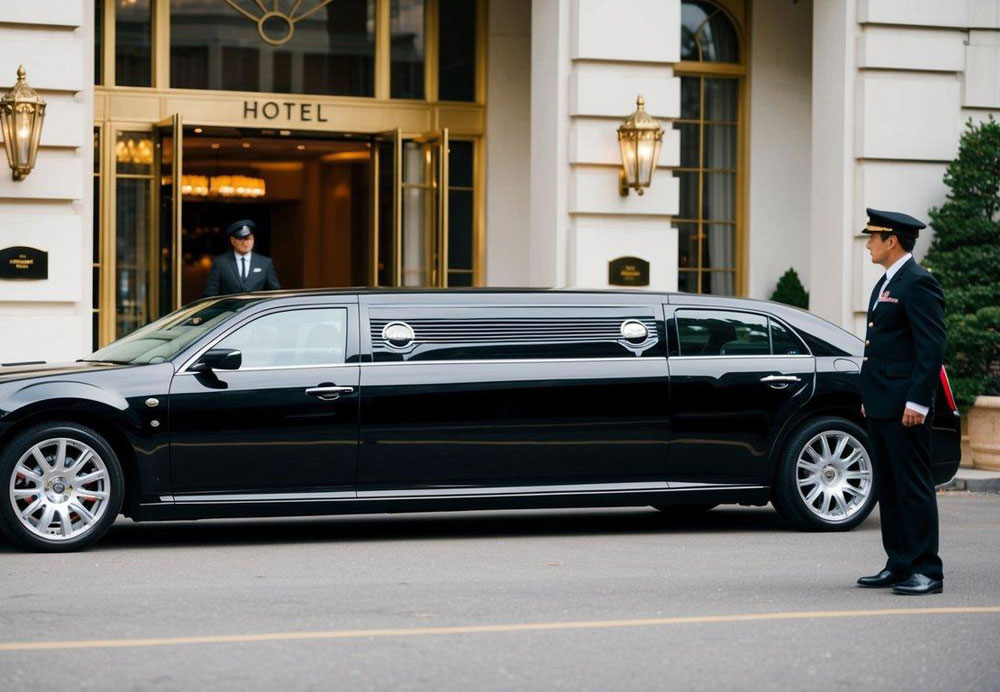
x: 911, y: 418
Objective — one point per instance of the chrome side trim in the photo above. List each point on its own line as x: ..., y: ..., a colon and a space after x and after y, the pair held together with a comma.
x: 629, y: 358
x: 660, y: 488
x: 282, y: 367
x: 264, y: 497
x: 762, y: 355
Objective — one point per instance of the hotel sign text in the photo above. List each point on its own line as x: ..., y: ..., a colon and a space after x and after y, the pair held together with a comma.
x: 288, y: 110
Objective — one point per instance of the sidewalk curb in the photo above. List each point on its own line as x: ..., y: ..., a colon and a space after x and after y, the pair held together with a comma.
x: 973, y: 482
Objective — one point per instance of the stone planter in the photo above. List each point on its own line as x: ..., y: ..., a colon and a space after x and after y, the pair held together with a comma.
x: 984, y: 432
x: 966, y: 449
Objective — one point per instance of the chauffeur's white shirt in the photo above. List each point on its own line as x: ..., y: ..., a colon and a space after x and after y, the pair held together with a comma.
x: 889, y: 273
x: 239, y: 263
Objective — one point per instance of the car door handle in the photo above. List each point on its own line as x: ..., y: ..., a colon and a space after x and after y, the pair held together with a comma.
x: 328, y: 393
x: 780, y: 381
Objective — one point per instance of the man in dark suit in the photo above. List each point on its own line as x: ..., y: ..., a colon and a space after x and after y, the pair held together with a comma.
x: 241, y: 270
x: 904, y: 348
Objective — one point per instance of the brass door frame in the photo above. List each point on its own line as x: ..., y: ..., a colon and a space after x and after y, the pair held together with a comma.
x: 175, y: 123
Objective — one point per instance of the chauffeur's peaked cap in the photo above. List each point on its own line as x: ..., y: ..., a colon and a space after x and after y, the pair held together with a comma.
x: 241, y: 229
x: 892, y: 222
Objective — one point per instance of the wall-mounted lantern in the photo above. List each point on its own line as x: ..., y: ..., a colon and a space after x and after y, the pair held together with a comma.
x: 639, y: 138
x: 21, y: 114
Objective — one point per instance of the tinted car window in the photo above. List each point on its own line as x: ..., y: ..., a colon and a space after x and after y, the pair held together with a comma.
x: 171, y: 334
x: 720, y: 333
x: 784, y: 342
x: 292, y: 337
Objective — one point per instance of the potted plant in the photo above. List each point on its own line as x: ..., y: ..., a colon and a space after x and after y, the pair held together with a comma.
x: 790, y: 291
x: 965, y: 257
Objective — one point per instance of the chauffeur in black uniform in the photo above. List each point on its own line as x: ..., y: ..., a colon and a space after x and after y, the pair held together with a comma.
x: 241, y: 270
x: 904, y: 348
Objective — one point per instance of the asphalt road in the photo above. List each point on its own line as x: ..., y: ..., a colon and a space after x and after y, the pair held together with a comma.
x: 596, y: 599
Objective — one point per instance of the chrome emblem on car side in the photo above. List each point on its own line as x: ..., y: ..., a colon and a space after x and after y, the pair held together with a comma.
x: 634, y: 330
x: 398, y: 334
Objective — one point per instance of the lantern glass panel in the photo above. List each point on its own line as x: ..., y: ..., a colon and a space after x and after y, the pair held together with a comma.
x: 629, y: 160
x: 646, y: 151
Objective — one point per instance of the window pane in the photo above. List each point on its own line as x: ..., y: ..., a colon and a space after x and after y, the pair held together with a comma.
x: 689, y: 145
x: 719, y: 196
x: 690, y: 97
x: 693, y: 14
x: 460, y: 229
x: 720, y: 247
x: 98, y: 41
x: 133, y: 41
x: 687, y: 281
x: 783, y: 342
x: 720, y: 146
x: 134, y: 153
x: 295, y: 337
x: 718, y: 283
x: 406, y: 29
x: 331, y: 51
x: 721, y: 96
x: 688, y: 208
x: 457, y: 51
x: 718, y: 333
x: 460, y: 163
x: 687, y: 245
x: 718, y: 40
x: 132, y: 252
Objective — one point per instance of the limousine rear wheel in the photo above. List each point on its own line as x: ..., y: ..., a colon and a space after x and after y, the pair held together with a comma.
x: 62, y: 487
x: 826, y: 477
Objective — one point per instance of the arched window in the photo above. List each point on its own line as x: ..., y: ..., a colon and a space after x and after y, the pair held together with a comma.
x: 710, y: 218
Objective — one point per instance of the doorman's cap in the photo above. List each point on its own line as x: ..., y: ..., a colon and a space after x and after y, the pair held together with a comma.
x: 902, y: 225
x: 241, y: 229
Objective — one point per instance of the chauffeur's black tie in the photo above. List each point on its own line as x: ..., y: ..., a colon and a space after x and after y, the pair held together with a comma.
x: 243, y: 271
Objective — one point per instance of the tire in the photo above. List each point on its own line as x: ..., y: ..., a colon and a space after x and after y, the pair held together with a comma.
x: 826, y: 486
x: 685, y: 510
x: 79, y: 486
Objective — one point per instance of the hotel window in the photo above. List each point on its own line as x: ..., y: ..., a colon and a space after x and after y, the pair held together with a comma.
x: 96, y: 258
x: 135, y: 249
x: 709, y: 220
x: 133, y: 43
x: 328, y: 49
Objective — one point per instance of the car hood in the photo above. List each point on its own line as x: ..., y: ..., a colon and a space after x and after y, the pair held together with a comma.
x: 13, y: 373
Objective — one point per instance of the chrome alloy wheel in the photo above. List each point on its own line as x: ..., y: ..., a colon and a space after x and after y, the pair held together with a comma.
x: 834, y: 475
x: 60, y: 489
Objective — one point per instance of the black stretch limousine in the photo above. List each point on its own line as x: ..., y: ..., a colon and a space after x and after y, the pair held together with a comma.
x: 328, y: 402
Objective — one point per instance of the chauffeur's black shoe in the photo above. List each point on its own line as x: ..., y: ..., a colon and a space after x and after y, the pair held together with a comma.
x: 883, y: 579
x: 918, y: 585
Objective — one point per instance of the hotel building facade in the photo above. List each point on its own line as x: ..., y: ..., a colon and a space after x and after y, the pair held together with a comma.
x: 472, y: 143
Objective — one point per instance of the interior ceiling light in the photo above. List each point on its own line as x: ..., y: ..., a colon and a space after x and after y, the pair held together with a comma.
x: 223, y: 186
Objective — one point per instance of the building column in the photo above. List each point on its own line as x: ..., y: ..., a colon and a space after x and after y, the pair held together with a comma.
x: 832, y: 218
x: 590, y: 60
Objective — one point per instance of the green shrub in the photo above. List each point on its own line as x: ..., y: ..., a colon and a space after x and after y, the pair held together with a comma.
x: 790, y: 291
x: 965, y: 257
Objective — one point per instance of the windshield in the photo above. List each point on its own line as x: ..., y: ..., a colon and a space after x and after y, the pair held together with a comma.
x: 171, y: 334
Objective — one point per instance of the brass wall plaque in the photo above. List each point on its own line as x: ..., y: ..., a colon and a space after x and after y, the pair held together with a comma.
x: 628, y: 271
x: 24, y: 263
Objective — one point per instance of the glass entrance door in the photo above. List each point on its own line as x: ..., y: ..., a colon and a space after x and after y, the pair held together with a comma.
x: 410, y: 209
x: 167, y: 166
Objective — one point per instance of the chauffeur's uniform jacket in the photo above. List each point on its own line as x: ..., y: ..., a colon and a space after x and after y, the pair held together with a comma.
x: 904, y: 349
x: 225, y: 278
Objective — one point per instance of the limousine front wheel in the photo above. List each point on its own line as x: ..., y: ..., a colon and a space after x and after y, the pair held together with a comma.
x: 62, y: 486
x: 826, y: 478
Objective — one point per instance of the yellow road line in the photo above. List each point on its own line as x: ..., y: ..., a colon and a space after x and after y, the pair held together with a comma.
x: 487, y: 629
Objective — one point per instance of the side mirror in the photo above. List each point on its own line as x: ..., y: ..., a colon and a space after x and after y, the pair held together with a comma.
x: 219, y: 359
